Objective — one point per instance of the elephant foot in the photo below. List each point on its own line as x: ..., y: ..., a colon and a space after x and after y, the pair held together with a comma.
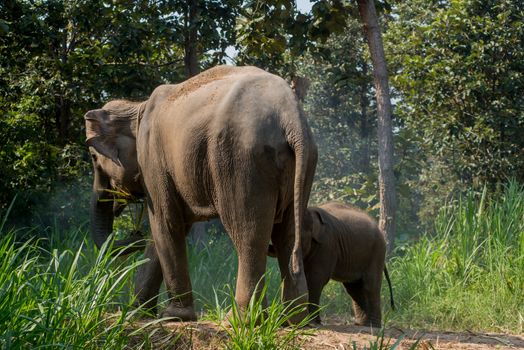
x: 236, y: 317
x: 179, y: 314
x: 316, y: 322
x: 148, y: 307
x: 369, y: 323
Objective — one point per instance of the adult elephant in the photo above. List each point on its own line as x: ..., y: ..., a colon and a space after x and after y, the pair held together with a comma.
x: 232, y: 143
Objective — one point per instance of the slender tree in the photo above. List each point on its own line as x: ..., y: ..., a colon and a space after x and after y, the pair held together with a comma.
x: 364, y: 122
x: 191, y: 39
x: 368, y: 15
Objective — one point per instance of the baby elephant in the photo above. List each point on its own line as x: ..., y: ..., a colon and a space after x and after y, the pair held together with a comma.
x: 343, y: 243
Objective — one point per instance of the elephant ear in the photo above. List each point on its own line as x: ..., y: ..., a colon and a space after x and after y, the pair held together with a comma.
x: 99, y: 134
x: 322, y: 216
x: 319, y: 225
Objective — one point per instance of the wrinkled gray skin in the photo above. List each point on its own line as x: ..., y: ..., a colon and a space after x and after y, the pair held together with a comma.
x: 231, y: 143
x: 344, y: 244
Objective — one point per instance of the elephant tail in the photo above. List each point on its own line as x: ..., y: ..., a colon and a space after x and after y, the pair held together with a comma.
x: 386, y: 273
x: 299, y: 140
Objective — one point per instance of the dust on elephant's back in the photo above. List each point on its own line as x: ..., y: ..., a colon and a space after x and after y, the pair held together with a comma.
x: 214, y: 125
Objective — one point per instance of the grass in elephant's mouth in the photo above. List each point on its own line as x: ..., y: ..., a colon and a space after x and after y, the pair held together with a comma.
x: 124, y: 199
x: 468, y: 275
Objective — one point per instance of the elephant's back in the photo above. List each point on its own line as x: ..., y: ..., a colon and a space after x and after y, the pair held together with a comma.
x: 244, y: 98
x: 225, y: 117
x: 213, y: 76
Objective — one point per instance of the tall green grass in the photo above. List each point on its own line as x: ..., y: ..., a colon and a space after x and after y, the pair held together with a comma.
x: 62, y: 298
x: 470, y: 273
x: 57, y: 290
x: 261, y: 327
x: 60, y: 291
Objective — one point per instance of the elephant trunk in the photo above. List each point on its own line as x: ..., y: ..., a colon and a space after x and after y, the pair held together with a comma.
x: 102, y: 225
x: 101, y: 220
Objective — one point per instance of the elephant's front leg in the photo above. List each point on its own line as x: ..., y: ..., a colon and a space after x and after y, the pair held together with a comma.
x: 366, y: 303
x: 148, y: 279
x: 170, y: 243
x: 317, y: 276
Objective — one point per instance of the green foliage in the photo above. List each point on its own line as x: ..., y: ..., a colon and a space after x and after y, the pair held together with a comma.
x: 263, y: 38
x: 62, y: 297
x: 214, y: 22
x: 274, y: 35
x: 357, y: 189
x: 59, y: 59
x: 458, y: 72
x: 470, y: 274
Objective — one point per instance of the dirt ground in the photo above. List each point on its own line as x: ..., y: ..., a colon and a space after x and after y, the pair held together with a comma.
x: 342, y: 337
x: 208, y: 335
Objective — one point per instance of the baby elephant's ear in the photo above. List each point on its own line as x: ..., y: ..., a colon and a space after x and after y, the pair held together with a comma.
x: 321, y: 215
x: 319, y: 222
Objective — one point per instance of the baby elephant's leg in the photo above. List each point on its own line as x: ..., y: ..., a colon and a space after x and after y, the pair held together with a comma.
x: 360, y: 305
x: 366, y: 302
x: 316, y: 282
x: 314, y: 302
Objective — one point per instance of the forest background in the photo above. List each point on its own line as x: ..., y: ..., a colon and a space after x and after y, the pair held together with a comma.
x: 456, y: 75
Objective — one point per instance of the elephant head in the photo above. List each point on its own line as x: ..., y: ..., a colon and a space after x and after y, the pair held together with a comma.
x: 315, y: 221
x: 111, y: 137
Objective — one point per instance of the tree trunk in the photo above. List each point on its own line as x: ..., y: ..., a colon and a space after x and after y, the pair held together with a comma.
x: 365, y: 155
x: 191, y: 37
x: 385, y: 132
x: 63, y: 119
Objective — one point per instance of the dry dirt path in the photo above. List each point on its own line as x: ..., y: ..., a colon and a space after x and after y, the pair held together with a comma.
x: 207, y: 335
x: 342, y: 337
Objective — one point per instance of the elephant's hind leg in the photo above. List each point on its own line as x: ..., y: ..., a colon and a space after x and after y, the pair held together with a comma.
x: 364, y: 304
x: 250, y: 230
